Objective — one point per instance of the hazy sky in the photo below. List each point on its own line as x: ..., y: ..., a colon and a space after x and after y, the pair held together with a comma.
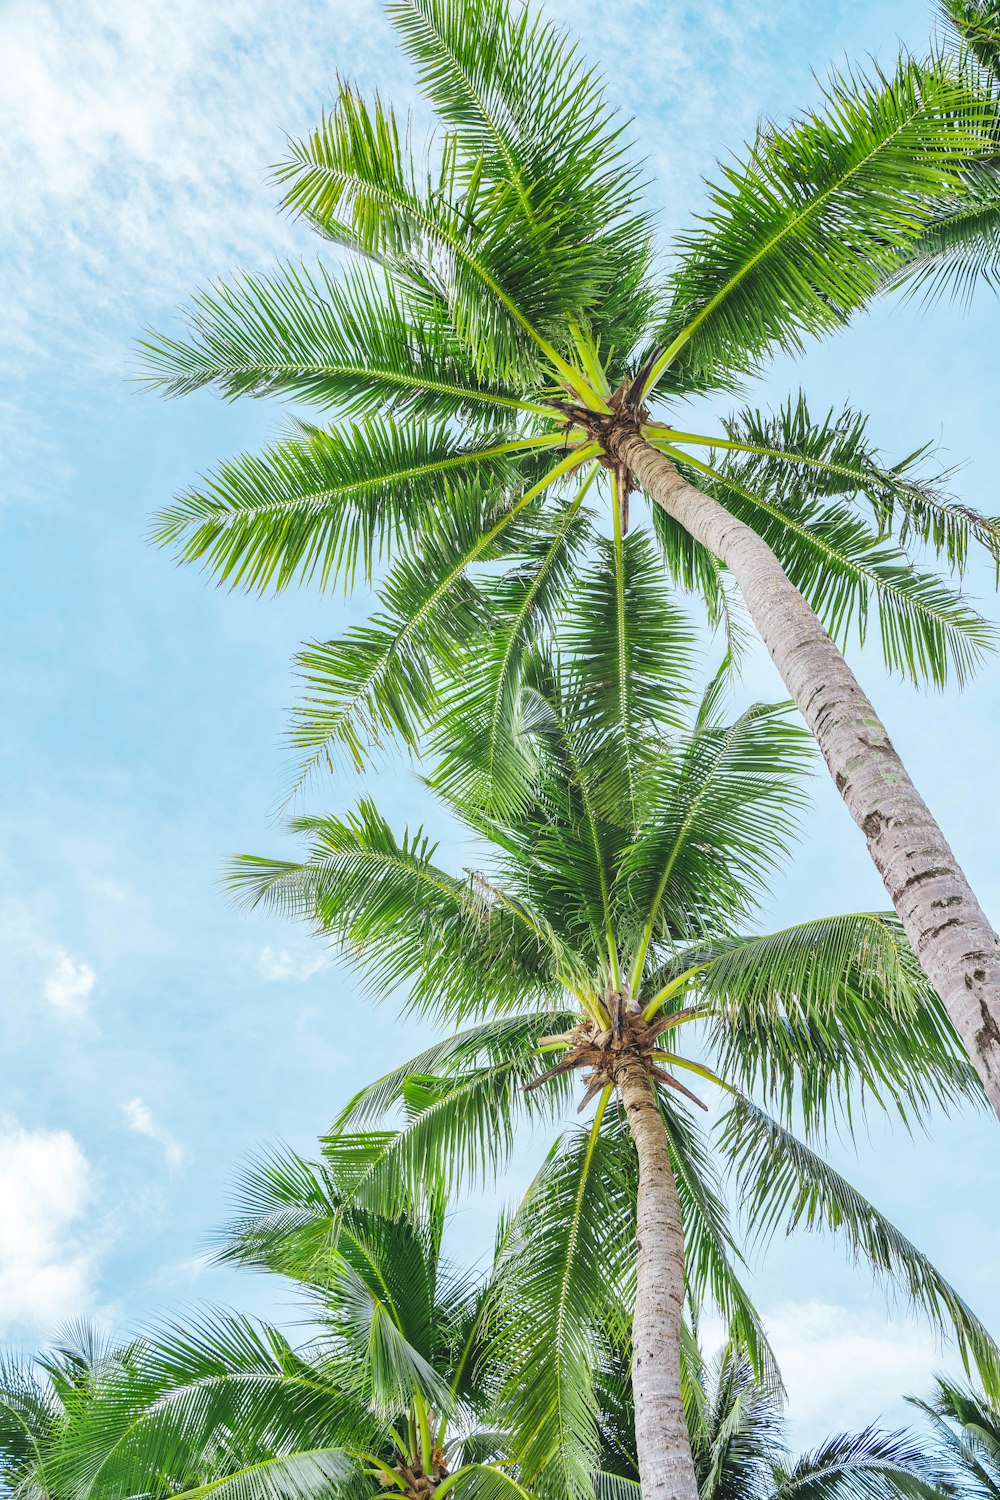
x: 152, y: 1036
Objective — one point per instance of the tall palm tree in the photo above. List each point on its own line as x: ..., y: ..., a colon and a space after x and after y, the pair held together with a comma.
x: 610, y: 926
x: 386, y: 1396
x: 506, y: 350
x: 737, y: 1428
x: 965, y: 1424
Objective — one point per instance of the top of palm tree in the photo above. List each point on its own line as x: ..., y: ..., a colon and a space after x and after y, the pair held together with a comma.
x: 504, y: 310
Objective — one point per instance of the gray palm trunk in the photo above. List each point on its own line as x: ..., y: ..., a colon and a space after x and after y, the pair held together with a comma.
x: 950, y: 933
x: 666, y: 1468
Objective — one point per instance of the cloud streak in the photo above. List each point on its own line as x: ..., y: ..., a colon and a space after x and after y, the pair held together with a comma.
x: 140, y: 1120
x: 68, y: 986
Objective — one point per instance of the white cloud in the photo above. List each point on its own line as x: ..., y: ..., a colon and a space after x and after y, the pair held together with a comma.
x: 139, y: 1118
x: 844, y: 1368
x: 68, y: 985
x: 46, y: 1270
x: 280, y: 964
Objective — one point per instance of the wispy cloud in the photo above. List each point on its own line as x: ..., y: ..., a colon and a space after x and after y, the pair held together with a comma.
x: 280, y: 965
x: 68, y: 985
x: 46, y: 1266
x: 139, y: 1118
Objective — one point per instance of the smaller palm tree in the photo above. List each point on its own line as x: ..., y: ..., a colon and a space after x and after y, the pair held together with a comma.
x: 385, y: 1397
x: 965, y: 1423
x: 610, y: 937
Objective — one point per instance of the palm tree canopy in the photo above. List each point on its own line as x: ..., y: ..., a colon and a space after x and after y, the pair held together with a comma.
x: 613, y: 918
x: 504, y: 301
x: 388, y: 1392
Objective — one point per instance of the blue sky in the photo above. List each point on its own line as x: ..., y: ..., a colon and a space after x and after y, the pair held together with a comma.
x: 153, y: 1036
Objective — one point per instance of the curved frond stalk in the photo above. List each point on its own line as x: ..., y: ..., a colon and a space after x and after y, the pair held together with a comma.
x: 929, y: 632
x: 784, y: 1183
x: 318, y: 507
x: 353, y: 344
x: 805, y: 231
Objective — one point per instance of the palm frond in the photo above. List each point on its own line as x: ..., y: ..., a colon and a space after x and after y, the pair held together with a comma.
x: 867, y: 1465
x: 354, y: 343
x: 569, y: 1243
x: 928, y: 630
x: 398, y: 917
x: 803, y: 232
x: 827, y: 1011
x: 318, y: 506
x: 785, y: 1184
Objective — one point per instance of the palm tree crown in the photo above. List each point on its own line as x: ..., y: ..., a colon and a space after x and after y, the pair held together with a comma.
x: 388, y: 1393
x: 506, y: 309
x: 610, y: 933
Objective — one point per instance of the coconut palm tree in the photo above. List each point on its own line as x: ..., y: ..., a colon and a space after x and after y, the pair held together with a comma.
x: 610, y: 933
x: 386, y: 1395
x: 737, y: 1426
x: 965, y: 1424
x: 505, y: 352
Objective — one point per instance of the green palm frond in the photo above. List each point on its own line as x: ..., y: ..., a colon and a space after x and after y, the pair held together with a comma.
x: 533, y: 123
x: 213, y: 1399
x: 355, y: 344
x: 790, y: 456
x: 483, y: 757
x: 400, y: 918
x: 965, y: 1433
x: 322, y: 504
x: 459, y: 1130
x: 816, y: 1013
x: 631, y: 653
x: 960, y: 248
x: 737, y: 1439
x: 802, y: 233
x: 721, y: 814
x: 356, y: 178
x: 867, y: 1465
x: 975, y: 24
x: 927, y: 629
x: 569, y: 1244
x: 785, y: 1184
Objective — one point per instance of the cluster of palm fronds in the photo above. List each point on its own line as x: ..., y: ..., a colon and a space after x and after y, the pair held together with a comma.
x: 501, y: 357
x: 405, y: 1384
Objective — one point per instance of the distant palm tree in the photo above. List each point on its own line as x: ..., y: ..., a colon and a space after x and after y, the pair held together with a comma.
x: 966, y: 1429
x: 493, y: 360
x: 737, y: 1428
x: 384, y: 1397
x: 610, y: 924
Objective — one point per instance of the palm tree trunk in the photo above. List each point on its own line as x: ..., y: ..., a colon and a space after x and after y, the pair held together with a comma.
x: 954, y: 941
x: 666, y: 1469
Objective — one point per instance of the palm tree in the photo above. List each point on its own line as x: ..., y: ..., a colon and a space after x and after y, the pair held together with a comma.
x: 737, y: 1425
x: 505, y: 349
x: 386, y: 1396
x: 610, y: 924
x: 966, y: 1427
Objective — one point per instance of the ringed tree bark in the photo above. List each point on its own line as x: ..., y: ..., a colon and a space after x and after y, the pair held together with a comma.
x: 666, y: 1467
x: 950, y: 933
